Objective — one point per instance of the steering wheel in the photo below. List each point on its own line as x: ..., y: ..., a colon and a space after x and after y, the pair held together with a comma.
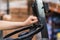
x: 34, y: 31
x: 36, y: 28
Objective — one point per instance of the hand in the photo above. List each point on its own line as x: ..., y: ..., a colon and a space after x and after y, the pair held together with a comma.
x: 31, y: 20
x: 7, y: 17
x: 1, y: 14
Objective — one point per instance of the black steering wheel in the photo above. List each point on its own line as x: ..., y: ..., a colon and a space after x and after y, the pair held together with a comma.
x: 36, y: 28
x: 33, y: 30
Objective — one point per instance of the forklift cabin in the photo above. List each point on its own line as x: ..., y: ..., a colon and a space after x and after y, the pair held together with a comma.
x: 43, y: 10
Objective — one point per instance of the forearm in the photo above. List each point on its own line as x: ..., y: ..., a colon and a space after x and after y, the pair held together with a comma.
x: 10, y: 25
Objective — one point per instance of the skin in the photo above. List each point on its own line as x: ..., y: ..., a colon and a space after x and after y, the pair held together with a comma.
x: 4, y: 25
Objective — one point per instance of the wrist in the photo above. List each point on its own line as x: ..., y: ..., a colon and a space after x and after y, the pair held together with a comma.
x: 24, y: 23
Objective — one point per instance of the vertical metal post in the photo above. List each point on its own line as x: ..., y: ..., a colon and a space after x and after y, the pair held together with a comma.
x: 1, y: 35
x: 44, y: 32
x: 7, y: 6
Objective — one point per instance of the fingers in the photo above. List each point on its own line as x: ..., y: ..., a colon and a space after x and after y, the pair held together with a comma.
x: 33, y: 19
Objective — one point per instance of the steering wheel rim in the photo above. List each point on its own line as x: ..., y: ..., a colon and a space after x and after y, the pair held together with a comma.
x: 38, y: 29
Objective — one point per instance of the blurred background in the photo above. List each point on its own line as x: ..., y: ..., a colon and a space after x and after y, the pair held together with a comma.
x: 19, y: 10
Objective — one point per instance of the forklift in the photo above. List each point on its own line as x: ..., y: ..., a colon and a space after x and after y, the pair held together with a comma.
x: 47, y: 11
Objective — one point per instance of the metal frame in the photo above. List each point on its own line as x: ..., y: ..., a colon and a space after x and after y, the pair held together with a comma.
x: 43, y: 20
x: 7, y: 6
